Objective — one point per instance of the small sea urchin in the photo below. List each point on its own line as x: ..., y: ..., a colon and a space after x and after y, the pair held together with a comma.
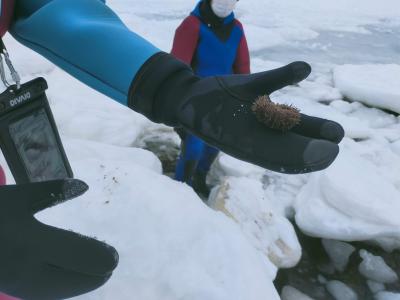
x: 281, y: 117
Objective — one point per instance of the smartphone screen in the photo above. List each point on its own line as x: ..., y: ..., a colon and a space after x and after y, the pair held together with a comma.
x: 37, y: 147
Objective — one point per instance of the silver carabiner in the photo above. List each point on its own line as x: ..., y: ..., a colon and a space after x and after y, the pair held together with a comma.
x: 3, y: 73
x: 14, y: 74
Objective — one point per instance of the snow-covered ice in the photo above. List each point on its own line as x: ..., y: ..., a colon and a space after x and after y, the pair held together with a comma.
x: 226, y: 165
x: 243, y: 200
x: 357, y: 198
x: 375, y: 85
x: 171, y: 246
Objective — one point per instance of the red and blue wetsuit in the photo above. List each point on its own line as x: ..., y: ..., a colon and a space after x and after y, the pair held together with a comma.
x: 211, y: 46
x: 6, y: 13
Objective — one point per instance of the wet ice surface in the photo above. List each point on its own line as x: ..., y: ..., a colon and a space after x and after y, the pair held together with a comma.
x: 290, y: 293
x: 375, y: 287
x: 316, y: 270
x: 338, y: 252
x: 377, y: 45
x: 387, y: 296
x: 340, y: 291
x: 375, y: 268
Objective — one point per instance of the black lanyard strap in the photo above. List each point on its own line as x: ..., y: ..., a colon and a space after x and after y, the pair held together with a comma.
x: 14, y: 75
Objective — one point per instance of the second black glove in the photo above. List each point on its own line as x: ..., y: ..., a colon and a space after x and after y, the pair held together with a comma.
x: 38, y: 261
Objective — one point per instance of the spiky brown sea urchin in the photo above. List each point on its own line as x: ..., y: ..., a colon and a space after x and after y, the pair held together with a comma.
x: 281, y: 117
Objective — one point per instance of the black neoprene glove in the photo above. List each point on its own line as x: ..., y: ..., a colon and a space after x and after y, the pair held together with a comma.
x: 41, y: 262
x: 218, y: 110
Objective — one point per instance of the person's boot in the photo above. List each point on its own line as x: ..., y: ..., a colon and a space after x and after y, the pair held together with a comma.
x: 200, y: 184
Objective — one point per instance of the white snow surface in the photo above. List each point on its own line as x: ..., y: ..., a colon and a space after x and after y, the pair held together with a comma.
x: 376, y: 85
x: 356, y: 198
x: 171, y: 245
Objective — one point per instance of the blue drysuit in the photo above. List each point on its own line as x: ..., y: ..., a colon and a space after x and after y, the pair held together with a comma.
x: 86, y: 39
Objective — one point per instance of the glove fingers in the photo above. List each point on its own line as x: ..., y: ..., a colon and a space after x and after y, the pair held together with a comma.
x: 49, y: 283
x: 233, y: 128
x: 319, y: 128
x: 42, y: 195
x: 42, y: 262
x: 249, y: 87
x: 65, y: 284
x: 290, y: 74
x: 287, y: 153
x: 59, y: 264
x: 77, y: 253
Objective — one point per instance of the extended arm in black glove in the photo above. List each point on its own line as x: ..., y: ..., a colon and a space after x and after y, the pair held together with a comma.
x: 218, y: 110
x: 41, y: 262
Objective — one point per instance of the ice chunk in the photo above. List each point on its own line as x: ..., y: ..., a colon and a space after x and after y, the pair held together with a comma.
x: 340, y: 291
x: 321, y: 279
x: 387, y: 296
x: 290, y: 293
x: 374, y: 84
x: 374, y: 268
x: 354, y: 199
x: 227, y: 165
x: 339, y: 253
x: 244, y: 201
x: 375, y: 286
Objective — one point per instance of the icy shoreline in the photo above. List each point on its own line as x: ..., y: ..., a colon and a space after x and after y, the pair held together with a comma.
x: 172, y: 246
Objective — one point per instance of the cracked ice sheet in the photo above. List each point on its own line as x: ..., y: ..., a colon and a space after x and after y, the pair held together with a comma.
x: 357, y: 198
x: 373, y: 84
x: 272, y: 23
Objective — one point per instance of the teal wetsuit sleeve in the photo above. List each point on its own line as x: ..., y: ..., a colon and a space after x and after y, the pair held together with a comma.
x: 86, y: 39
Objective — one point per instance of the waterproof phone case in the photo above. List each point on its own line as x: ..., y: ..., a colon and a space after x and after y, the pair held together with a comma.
x: 29, y: 137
